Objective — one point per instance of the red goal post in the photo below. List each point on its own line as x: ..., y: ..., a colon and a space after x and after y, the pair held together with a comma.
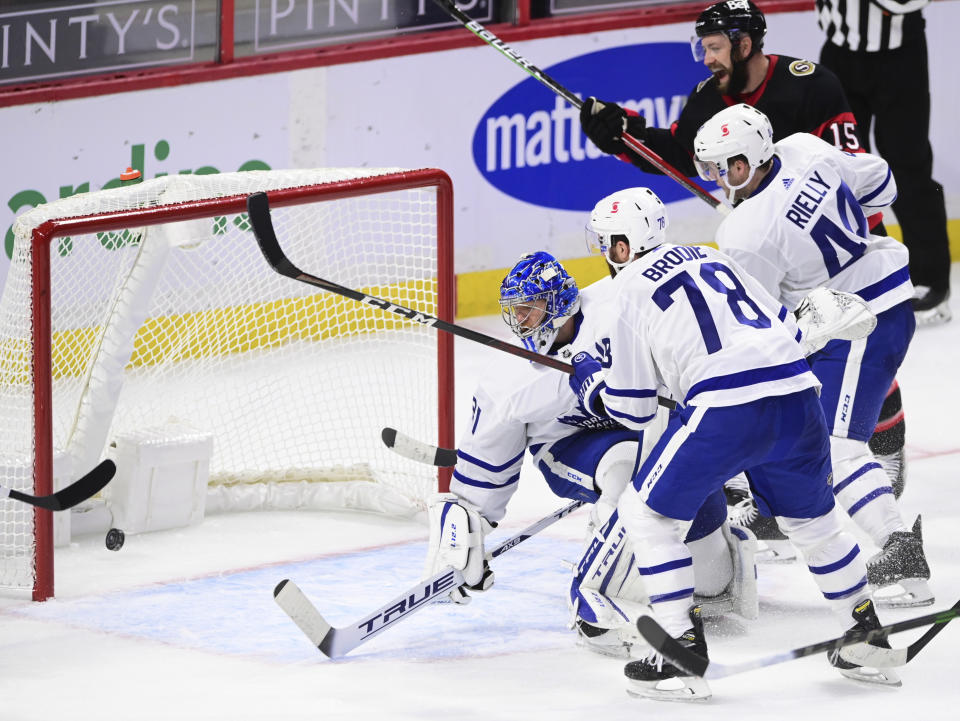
x: 374, y: 204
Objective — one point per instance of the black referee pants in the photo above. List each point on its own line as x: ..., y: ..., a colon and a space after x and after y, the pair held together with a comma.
x: 891, y: 90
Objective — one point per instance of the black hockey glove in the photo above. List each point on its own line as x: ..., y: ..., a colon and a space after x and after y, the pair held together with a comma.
x: 604, y: 123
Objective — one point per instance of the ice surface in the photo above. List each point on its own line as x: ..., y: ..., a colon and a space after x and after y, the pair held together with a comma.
x: 182, y: 625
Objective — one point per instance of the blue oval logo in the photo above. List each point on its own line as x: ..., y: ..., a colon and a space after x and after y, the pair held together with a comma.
x: 529, y: 144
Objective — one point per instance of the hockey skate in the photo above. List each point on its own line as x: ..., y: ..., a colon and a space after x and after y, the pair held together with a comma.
x: 740, y: 595
x: 899, y: 573
x: 655, y: 677
x: 772, y: 545
x: 605, y: 641
x: 866, y: 620
x: 931, y: 307
x: 895, y: 466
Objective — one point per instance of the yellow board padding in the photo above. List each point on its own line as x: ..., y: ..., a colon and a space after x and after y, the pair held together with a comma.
x: 478, y: 293
x: 260, y: 326
x: 227, y: 331
x: 953, y: 233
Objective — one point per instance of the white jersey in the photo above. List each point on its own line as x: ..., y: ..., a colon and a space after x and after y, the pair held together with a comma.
x: 805, y: 226
x: 688, y: 320
x: 525, y: 404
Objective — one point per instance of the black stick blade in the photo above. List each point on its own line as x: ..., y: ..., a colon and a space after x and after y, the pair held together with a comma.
x: 258, y: 210
x: 415, y: 450
x: 445, y: 458
x: 75, y: 493
x: 670, y: 648
x: 389, y: 437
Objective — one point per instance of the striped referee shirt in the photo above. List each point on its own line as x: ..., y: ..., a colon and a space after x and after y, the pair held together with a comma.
x: 871, y: 25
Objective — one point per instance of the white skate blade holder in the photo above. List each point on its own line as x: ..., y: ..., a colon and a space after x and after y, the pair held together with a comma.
x: 681, y: 688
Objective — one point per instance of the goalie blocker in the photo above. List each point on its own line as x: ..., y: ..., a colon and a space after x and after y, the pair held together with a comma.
x: 457, y: 531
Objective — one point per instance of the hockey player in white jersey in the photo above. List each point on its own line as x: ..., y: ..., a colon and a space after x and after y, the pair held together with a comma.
x: 798, y: 224
x: 581, y: 456
x: 689, y: 322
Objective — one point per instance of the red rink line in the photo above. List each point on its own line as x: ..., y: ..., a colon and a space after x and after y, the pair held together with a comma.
x: 918, y: 454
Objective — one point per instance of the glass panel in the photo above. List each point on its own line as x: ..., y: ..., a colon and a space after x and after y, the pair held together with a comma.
x: 547, y: 8
x: 43, y: 40
x: 269, y: 26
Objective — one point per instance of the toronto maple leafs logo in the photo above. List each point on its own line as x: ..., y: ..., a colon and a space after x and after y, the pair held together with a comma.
x: 590, y: 422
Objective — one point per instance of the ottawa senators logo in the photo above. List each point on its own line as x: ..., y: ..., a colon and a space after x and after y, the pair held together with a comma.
x: 802, y: 67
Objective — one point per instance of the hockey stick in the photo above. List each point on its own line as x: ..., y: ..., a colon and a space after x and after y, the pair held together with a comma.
x: 871, y: 656
x: 73, y: 494
x: 258, y: 211
x: 335, y: 642
x: 419, y: 451
x: 635, y: 145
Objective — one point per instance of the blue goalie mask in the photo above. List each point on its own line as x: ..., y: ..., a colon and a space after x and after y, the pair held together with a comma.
x: 536, y: 298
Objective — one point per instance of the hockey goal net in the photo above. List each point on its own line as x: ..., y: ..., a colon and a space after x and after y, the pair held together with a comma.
x: 151, y: 305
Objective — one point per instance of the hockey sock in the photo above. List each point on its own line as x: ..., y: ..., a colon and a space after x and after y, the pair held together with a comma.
x: 833, y: 558
x: 863, y: 488
x: 890, y: 434
x: 663, y: 560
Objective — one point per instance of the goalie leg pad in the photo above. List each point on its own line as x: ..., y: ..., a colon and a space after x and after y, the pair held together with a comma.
x: 733, y: 550
x: 614, y: 472
x: 607, y: 590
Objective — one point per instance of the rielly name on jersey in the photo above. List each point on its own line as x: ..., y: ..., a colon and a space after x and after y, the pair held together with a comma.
x: 809, y: 229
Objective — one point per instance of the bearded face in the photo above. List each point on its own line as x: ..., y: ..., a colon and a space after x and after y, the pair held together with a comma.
x: 726, y: 61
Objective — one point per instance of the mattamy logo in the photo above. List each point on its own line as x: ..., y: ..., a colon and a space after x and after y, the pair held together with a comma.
x: 529, y: 144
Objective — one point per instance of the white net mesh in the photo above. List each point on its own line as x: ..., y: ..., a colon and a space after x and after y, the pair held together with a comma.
x: 185, y: 323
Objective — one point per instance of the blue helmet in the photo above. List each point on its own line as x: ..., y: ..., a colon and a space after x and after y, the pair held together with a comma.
x: 538, y: 277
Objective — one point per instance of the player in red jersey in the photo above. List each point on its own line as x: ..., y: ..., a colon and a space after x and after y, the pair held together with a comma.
x: 797, y: 95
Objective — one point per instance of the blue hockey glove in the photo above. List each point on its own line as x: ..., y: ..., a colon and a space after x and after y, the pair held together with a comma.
x: 587, y: 382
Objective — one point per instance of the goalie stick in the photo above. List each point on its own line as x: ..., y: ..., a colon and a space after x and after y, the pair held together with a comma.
x: 419, y: 451
x: 635, y: 145
x: 258, y: 211
x: 335, y: 642
x: 73, y: 494
x: 871, y: 656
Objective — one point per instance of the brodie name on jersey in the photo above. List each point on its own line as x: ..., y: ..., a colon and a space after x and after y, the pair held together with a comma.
x: 671, y: 259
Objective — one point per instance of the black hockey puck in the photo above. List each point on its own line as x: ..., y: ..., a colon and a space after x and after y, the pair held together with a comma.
x: 115, y: 539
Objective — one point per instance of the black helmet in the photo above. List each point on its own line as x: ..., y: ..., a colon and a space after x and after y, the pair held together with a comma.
x: 731, y: 17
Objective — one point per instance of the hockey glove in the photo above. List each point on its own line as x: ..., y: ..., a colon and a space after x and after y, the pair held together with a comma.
x: 587, y: 382
x: 825, y: 315
x: 605, y: 122
x: 457, y: 531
